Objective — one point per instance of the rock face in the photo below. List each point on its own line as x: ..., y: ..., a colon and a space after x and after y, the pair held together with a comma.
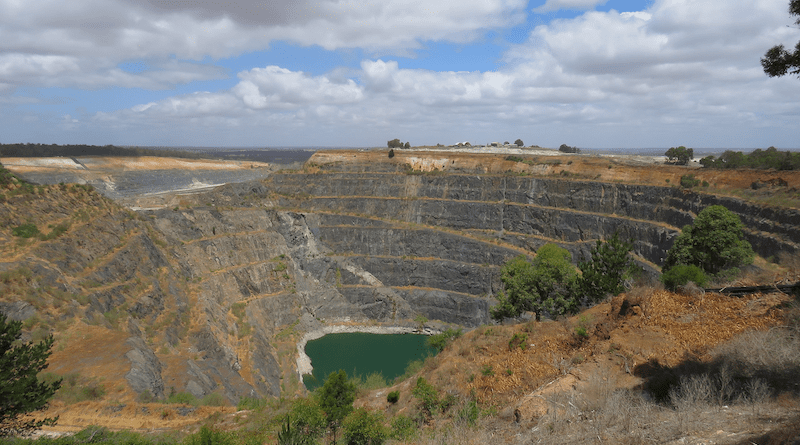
x: 216, y: 294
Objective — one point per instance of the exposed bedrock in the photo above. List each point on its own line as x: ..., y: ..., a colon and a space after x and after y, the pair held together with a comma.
x: 260, y: 270
x: 560, y: 209
x: 221, y: 288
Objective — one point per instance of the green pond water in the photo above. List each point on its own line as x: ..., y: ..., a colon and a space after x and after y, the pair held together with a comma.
x: 363, y: 354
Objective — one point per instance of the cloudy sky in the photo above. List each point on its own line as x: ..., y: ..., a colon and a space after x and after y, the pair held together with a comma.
x: 591, y: 73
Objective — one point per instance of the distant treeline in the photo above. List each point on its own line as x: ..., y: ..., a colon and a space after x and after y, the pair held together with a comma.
x: 769, y: 158
x: 42, y: 150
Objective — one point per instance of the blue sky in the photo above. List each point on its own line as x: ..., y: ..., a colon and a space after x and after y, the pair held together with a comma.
x: 591, y: 73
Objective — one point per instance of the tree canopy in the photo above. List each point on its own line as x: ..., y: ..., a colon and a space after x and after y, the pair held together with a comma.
x: 546, y: 284
x: 365, y: 427
x: 551, y: 284
x: 758, y: 158
x: 21, y: 391
x: 519, y: 143
x: 679, y: 155
x: 778, y: 61
x: 336, y: 397
x: 606, y: 271
x: 714, y: 242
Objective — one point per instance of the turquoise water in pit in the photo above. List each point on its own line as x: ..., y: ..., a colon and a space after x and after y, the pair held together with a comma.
x: 363, y: 354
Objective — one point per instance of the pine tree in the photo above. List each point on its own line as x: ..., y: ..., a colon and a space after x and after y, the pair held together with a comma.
x: 336, y: 399
x: 21, y: 391
x: 607, y: 269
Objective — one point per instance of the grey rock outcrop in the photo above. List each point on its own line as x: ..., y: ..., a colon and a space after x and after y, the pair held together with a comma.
x: 145, y: 372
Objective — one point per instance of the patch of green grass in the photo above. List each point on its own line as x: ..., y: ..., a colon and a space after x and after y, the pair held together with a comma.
x: 372, y: 381
x: 182, y: 398
x: 28, y: 230
x: 519, y: 340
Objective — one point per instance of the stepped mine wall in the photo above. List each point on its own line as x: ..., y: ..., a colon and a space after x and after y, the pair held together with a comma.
x: 223, y: 282
x: 398, y: 242
x: 472, y: 202
x: 651, y: 241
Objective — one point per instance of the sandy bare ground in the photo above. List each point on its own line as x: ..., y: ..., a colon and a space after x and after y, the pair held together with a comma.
x: 23, y: 165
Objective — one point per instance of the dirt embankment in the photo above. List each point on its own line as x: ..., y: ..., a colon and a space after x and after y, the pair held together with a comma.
x: 647, y: 170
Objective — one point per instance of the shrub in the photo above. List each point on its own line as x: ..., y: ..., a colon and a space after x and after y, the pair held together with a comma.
x: 403, y: 428
x: 393, y: 397
x: 427, y: 395
x: 208, y: 436
x: 57, y: 231
x: 682, y: 274
x: 25, y: 231
x: 689, y: 181
x: 308, y: 418
x: 214, y: 399
x: 412, y: 368
x: 364, y: 427
x: 518, y: 340
x: 251, y: 403
x: 372, y: 381
x: 293, y: 436
x: 469, y: 412
x: 441, y: 340
x: 182, y: 398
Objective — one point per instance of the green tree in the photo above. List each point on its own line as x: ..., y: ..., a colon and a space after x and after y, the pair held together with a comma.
x: 519, y: 143
x: 609, y: 266
x: 546, y: 284
x: 364, y: 427
x: 336, y: 397
x: 679, y: 155
x: 21, y: 391
x: 289, y: 435
x: 308, y: 418
x: 714, y: 243
x: 395, y: 143
x: 407, y: 145
x: 778, y: 61
x: 564, y: 148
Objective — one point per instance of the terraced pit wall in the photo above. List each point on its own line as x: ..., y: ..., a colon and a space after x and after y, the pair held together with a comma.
x: 214, y: 297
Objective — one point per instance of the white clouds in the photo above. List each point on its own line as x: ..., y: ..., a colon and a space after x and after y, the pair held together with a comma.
x: 275, y: 87
x: 680, y: 69
x: 97, y: 35
x: 555, y: 5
